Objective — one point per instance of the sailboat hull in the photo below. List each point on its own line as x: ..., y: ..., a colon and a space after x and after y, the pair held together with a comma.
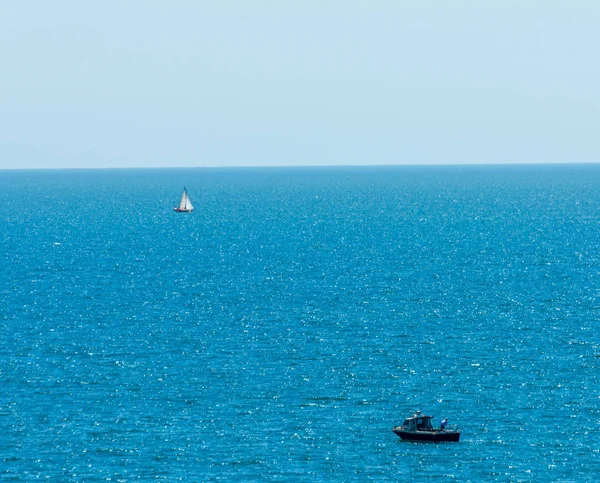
x: 182, y: 210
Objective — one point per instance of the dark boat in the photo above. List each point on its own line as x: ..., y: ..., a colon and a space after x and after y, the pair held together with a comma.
x: 419, y: 428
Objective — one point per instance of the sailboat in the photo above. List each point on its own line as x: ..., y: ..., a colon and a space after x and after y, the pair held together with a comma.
x: 185, y: 205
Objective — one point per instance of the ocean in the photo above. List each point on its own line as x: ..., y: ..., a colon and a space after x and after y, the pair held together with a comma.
x: 280, y: 331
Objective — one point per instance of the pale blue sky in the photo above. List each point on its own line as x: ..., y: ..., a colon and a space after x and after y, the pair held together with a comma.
x: 247, y: 83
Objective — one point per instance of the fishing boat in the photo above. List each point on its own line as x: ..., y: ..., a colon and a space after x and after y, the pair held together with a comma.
x: 418, y: 428
x: 185, y: 205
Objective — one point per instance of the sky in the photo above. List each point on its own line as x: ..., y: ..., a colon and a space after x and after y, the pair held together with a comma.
x: 184, y: 83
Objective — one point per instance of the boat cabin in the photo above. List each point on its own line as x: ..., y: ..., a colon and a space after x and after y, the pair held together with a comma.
x: 418, y: 422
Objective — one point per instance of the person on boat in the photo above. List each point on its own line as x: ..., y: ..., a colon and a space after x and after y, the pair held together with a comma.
x: 443, y: 424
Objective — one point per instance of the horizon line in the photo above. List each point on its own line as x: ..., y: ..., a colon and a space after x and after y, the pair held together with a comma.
x: 301, y: 166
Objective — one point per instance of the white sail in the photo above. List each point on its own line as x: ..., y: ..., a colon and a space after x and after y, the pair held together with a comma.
x: 185, y: 204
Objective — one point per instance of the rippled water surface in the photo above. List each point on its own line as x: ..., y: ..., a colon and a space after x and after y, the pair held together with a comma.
x: 282, y: 329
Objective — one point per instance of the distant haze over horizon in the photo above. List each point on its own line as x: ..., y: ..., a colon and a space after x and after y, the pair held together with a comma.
x: 184, y: 84
x: 307, y: 166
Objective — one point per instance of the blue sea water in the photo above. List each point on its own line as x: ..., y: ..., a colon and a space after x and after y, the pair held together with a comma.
x: 280, y: 331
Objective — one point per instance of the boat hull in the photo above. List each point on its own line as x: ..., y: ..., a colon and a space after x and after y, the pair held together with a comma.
x: 428, y: 436
x: 181, y: 210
